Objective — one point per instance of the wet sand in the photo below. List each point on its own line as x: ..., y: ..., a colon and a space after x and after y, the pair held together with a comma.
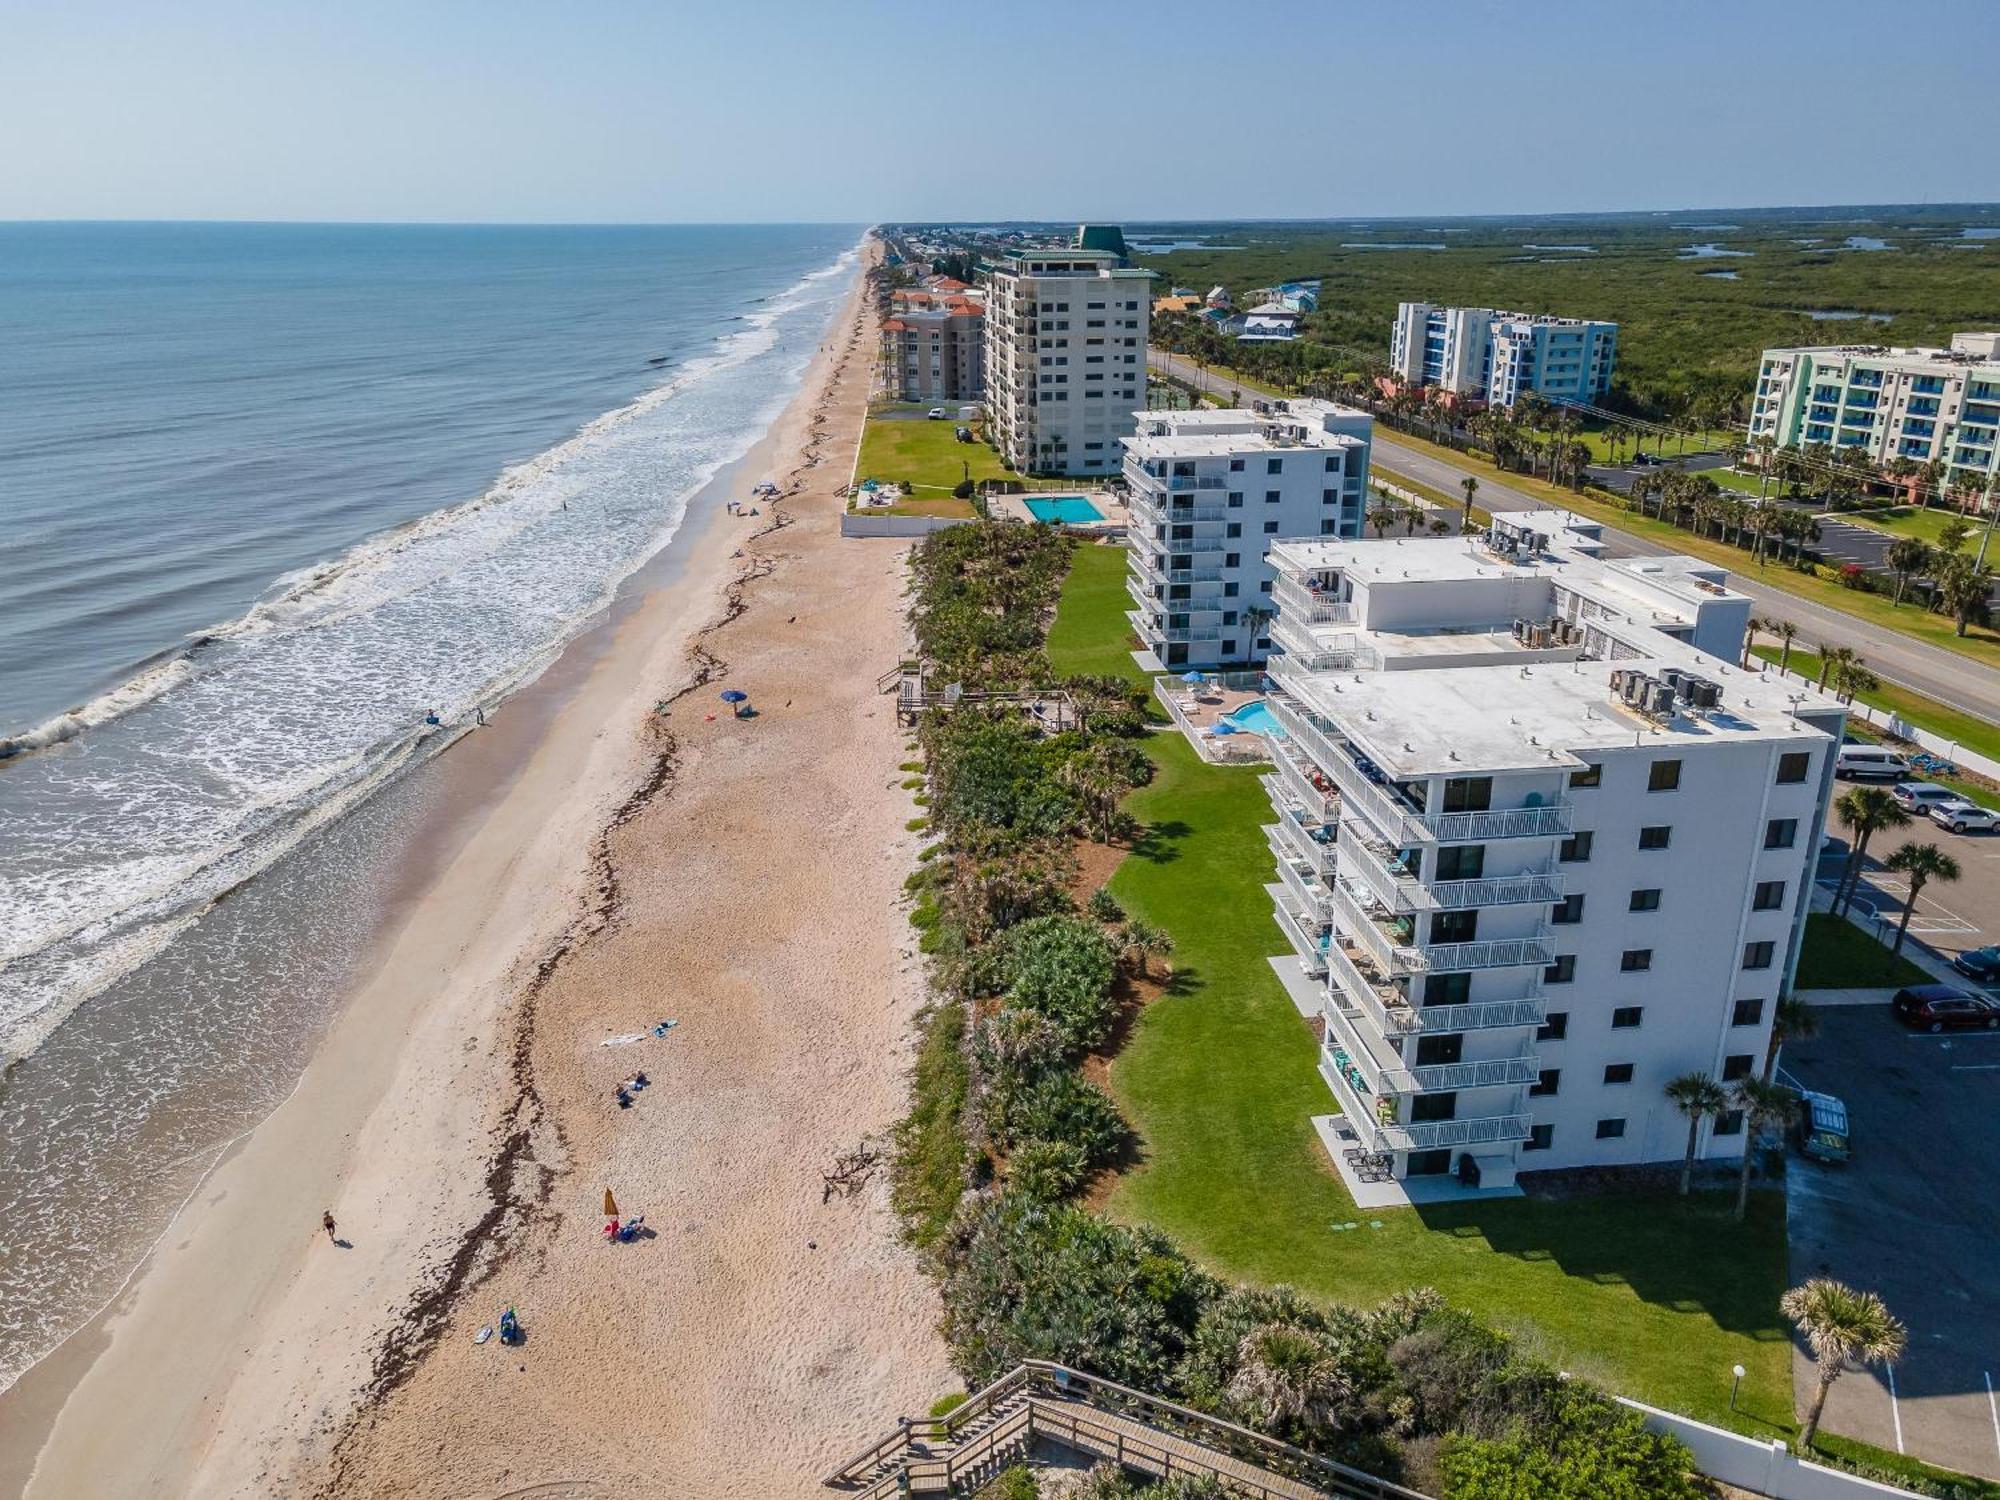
x: 608, y: 868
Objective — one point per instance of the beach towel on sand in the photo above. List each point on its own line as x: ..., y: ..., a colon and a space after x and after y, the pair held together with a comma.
x: 623, y: 1041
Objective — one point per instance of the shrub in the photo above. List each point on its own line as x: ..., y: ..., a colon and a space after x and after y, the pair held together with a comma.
x: 1023, y: 1279
x: 1062, y: 968
x: 944, y: 1406
x: 1051, y: 1171
x: 962, y: 490
x: 929, y: 1173
x: 1450, y: 1375
x: 1243, y: 1340
x: 1062, y: 1106
x: 1105, y: 908
x: 1585, y: 1448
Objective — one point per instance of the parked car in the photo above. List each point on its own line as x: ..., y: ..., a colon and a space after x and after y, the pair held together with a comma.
x: 935, y: 414
x: 1869, y: 762
x: 1822, y: 1127
x: 1961, y: 816
x: 1979, y: 964
x: 1939, y: 1007
x: 1921, y: 796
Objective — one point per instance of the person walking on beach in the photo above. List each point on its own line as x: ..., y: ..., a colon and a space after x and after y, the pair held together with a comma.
x: 326, y: 1221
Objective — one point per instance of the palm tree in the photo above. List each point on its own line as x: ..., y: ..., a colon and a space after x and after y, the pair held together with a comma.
x: 1922, y: 863
x: 1141, y: 942
x: 1290, y: 1378
x: 1785, y: 631
x: 1840, y: 1324
x: 1697, y: 1096
x: 1382, y: 517
x: 1792, y: 1021
x: 1830, y: 658
x: 1962, y: 588
x: 1907, y: 557
x: 1864, y: 811
x: 1750, y: 629
x: 1470, y: 484
x: 1763, y: 1104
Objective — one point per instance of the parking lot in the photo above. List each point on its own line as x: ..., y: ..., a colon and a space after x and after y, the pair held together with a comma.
x: 1949, y: 918
x: 1912, y: 1217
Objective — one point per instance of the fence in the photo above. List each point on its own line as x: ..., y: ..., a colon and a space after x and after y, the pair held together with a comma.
x: 1217, y: 749
x: 853, y: 523
x: 1761, y: 1468
x: 1903, y: 729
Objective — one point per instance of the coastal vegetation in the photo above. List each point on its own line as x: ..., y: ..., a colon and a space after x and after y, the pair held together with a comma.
x: 1692, y: 321
x: 1010, y: 1136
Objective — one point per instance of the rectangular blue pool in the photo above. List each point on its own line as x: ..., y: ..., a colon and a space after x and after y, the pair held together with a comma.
x: 1063, y: 510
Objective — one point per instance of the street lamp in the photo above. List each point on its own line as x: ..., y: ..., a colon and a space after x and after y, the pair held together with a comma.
x: 1735, y: 1385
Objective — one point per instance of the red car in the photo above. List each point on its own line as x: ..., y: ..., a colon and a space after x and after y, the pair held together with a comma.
x: 1939, y: 1007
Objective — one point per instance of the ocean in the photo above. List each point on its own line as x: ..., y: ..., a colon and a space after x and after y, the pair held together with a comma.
x: 273, y: 497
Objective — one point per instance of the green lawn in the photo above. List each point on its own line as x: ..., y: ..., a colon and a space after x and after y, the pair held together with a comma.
x: 1913, y: 520
x: 926, y: 457
x: 1926, y: 713
x: 1091, y: 634
x: 1837, y: 955
x: 1655, y: 1297
x: 1980, y: 643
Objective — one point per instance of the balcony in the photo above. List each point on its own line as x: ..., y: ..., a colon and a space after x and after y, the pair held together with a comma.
x: 1317, y: 800
x: 1428, y: 1135
x: 1308, y: 937
x: 1546, y: 821
x: 1396, y: 823
x: 1391, y: 1076
x: 1375, y: 865
x: 1297, y: 602
x: 1144, y: 596
x: 1308, y: 896
x: 1309, y: 653
x: 1387, y: 940
x: 1289, y: 840
x: 1492, y: 953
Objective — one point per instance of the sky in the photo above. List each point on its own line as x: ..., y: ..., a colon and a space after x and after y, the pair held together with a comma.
x: 874, y: 110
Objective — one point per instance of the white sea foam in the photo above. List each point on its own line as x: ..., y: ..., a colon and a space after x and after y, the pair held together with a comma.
x: 131, y: 815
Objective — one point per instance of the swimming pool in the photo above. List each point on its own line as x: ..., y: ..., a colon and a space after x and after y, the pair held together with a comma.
x: 1063, y: 509
x: 1256, y: 717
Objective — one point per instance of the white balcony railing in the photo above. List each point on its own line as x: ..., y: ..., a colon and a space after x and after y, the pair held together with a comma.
x: 1547, y: 821
x: 1369, y: 862
x: 1288, y: 837
x: 1307, y: 651
x: 1426, y: 1135
x: 1527, y: 888
x: 1382, y: 1002
x: 1310, y: 896
x: 1319, y: 804
x: 1391, y: 1076
x: 1493, y: 953
x: 1307, y: 937
x: 1354, y: 919
x: 1297, y: 602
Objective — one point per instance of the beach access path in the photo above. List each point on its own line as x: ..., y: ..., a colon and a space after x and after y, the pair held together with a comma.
x: 739, y: 876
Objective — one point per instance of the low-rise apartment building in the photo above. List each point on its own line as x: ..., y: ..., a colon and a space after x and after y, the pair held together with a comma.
x: 1498, y: 357
x: 1065, y: 358
x: 1916, y: 404
x: 1210, y: 491
x: 1541, y: 844
x: 934, y: 346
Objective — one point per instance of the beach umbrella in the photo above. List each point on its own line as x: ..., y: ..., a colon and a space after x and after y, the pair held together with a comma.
x: 610, y: 1205
x: 735, y: 695
x: 1192, y: 677
x: 1223, y: 726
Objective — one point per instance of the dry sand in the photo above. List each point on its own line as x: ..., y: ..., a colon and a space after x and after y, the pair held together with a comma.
x: 617, y: 868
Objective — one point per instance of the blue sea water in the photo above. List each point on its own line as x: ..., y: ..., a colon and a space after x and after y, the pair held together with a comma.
x: 269, y: 495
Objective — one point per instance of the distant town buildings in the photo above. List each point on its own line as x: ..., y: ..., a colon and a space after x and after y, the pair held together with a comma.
x: 1210, y: 491
x: 1542, y: 845
x: 1498, y: 357
x: 1915, y: 404
x: 1066, y: 354
x: 933, y: 342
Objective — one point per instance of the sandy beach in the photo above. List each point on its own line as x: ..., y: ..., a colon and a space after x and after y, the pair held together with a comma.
x: 608, y: 867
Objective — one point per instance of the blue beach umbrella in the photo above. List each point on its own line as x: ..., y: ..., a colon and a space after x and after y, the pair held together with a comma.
x: 1193, y: 677
x: 735, y: 695
x: 1223, y: 726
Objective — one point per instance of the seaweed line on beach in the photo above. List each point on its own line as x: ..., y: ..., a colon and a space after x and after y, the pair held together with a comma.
x: 519, y: 1184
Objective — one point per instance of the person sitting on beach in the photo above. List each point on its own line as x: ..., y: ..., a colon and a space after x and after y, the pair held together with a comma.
x: 611, y: 1230
x: 624, y: 1099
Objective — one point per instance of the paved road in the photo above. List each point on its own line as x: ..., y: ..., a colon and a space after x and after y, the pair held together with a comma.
x: 1944, y: 675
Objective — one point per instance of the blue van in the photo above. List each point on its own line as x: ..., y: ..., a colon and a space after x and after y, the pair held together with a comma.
x: 1822, y: 1127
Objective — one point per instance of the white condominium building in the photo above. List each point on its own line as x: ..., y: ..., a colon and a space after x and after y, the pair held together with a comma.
x: 1210, y: 491
x: 1549, y: 846
x: 1919, y: 404
x: 1498, y: 357
x: 1065, y: 358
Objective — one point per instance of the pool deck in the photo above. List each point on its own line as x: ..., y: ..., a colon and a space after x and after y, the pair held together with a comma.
x: 1112, y: 516
x: 1195, y: 710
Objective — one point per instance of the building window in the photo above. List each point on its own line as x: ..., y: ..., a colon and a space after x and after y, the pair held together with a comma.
x: 1447, y: 989
x: 1432, y: 1107
x: 1729, y: 1122
x: 1232, y: 559
x: 1781, y: 833
x: 1438, y: 1051
x: 1568, y: 910
x: 1770, y: 896
x: 1663, y: 776
x: 1546, y: 1084
x: 1758, y: 955
x: 1617, y: 1072
x: 1539, y: 1138
x: 1627, y: 1016
x: 1592, y: 775
x: 1562, y: 971
x: 1235, y: 501
x: 1236, y: 466
x: 1735, y: 1067
x: 1271, y: 497
x: 1428, y: 1163
x: 1575, y: 849
x: 1274, y: 466
x: 1646, y: 900
x: 1656, y: 837
x: 1610, y: 1130
x: 1793, y: 766
x: 1554, y: 1028
x: 1635, y: 960
x: 1235, y: 529
x: 1454, y: 926
x: 1270, y: 528
x: 1747, y: 1013
x: 1460, y: 862
x: 1468, y: 794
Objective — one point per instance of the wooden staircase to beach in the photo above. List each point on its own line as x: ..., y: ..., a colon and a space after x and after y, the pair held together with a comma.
x: 1038, y: 1402
x: 1051, y: 708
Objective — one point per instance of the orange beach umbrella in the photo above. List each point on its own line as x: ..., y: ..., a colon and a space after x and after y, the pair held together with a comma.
x: 610, y: 1205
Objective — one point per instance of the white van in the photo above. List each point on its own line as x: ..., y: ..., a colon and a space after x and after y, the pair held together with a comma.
x: 1870, y: 763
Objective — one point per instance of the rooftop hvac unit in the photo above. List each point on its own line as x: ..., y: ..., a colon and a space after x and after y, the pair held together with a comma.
x: 1659, y: 699
x: 1674, y: 677
x: 1703, y: 694
x: 1634, y: 691
x: 1533, y: 541
x: 1542, y: 638
x: 1521, y: 631
x: 1618, y: 675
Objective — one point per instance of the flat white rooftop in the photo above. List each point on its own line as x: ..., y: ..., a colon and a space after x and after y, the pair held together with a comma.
x: 1474, y: 720
x: 1223, y: 441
